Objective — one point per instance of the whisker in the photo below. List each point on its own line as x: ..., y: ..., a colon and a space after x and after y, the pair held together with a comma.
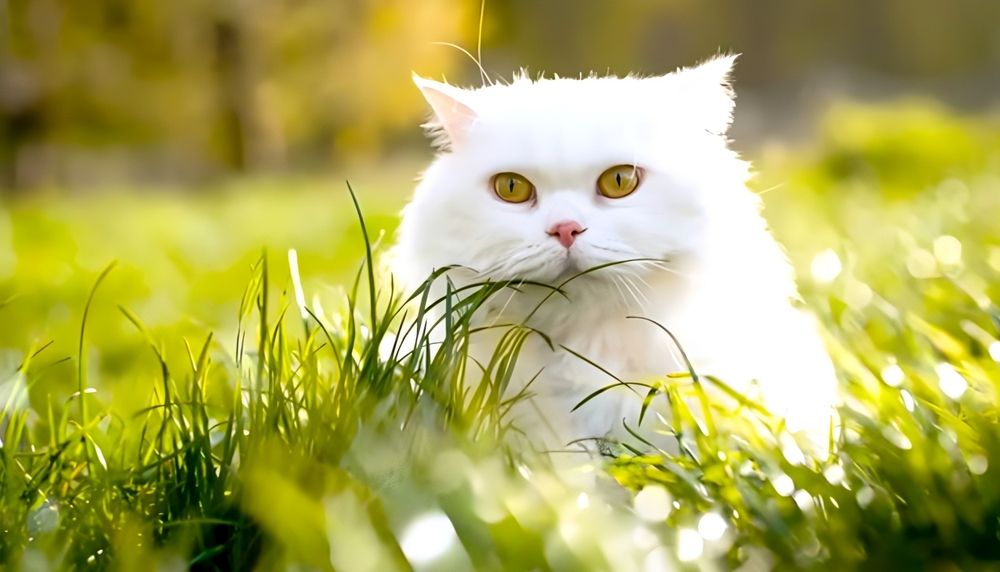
x: 642, y: 291
x: 634, y: 291
x: 621, y: 294
x: 665, y: 268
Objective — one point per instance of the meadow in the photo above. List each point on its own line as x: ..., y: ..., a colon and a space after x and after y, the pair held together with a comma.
x: 178, y: 392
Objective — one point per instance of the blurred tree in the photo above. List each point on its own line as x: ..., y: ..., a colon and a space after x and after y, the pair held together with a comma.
x: 186, y: 88
x: 915, y: 39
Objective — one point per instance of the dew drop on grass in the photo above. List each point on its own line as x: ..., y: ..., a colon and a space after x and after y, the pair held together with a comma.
x: 908, y: 402
x: 995, y: 350
x: 834, y: 474
x: 582, y: 501
x: 896, y: 437
x: 524, y: 471
x: 950, y: 381
x: 783, y: 485
x: 711, y: 526
x: 804, y: 500
x: 865, y: 496
x: 689, y: 545
x: 893, y: 375
x: 978, y: 464
x: 826, y: 266
x: 792, y: 452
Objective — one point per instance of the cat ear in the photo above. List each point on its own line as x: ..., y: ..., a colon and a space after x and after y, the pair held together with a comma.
x: 706, y: 92
x: 452, y: 118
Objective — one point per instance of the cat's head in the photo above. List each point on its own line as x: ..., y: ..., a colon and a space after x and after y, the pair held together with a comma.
x: 541, y: 179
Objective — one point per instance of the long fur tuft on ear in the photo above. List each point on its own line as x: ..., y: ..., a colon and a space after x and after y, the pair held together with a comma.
x: 708, y: 90
x: 452, y: 117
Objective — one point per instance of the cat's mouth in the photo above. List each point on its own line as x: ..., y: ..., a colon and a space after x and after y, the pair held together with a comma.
x: 581, y: 262
x: 577, y: 265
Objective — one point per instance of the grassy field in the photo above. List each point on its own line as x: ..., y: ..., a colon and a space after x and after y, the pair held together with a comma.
x: 179, y: 408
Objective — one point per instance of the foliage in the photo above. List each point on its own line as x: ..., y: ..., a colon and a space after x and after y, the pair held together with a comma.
x: 179, y: 90
x: 302, y: 437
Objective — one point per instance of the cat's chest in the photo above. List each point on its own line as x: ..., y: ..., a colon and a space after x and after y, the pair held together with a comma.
x: 581, y: 343
x: 577, y: 359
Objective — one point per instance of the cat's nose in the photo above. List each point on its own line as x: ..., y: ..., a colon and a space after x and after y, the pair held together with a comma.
x: 566, y: 232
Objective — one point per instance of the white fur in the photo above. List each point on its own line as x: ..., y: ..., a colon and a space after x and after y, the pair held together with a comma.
x: 725, y: 288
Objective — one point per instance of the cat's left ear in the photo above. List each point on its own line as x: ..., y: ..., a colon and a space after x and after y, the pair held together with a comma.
x: 706, y: 93
x: 453, y: 118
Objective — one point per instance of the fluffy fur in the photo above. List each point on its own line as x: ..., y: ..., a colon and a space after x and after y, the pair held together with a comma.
x: 715, y: 277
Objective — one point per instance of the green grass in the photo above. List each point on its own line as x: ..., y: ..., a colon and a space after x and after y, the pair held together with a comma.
x: 181, y: 408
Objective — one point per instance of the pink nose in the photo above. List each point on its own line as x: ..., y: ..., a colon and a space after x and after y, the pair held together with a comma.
x: 566, y: 232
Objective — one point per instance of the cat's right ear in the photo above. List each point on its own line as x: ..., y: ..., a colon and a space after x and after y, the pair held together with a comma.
x: 452, y: 118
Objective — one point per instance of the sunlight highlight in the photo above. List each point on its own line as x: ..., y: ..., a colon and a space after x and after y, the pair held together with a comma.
x: 652, y: 504
x: 689, y: 545
x: 783, y: 485
x: 826, y: 266
x: 834, y: 474
x: 948, y: 250
x: 893, y: 375
x: 427, y: 538
x: 950, y: 381
x: 995, y: 351
x: 711, y: 526
x: 293, y: 270
x: 978, y: 464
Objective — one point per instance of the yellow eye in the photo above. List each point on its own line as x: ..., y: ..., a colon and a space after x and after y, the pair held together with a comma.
x: 513, y: 188
x: 618, y: 181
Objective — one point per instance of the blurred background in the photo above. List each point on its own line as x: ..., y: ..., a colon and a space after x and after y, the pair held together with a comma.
x: 181, y: 138
x: 187, y: 92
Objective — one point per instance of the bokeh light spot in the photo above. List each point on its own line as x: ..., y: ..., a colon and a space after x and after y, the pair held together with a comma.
x: 826, y: 266
x: 711, y: 526
x: 783, y: 485
x: 948, y: 250
x: 427, y: 538
x: 995, y: 351
x: 652, y: 504
x: 893, y: 375
x: 978, y: 464
x: 921, y: 264
x: 834, y: 474
x: 658, y: 561
x: 950, y: 381
x: 908, y: 402
x: 689, y: 545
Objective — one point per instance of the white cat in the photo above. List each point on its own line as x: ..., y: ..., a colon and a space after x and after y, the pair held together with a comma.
x: 542, y: 179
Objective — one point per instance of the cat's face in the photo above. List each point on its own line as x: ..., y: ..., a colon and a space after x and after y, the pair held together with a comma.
x: 541, y: 180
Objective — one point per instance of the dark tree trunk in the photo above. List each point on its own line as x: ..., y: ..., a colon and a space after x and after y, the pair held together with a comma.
x: 239, y: 122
